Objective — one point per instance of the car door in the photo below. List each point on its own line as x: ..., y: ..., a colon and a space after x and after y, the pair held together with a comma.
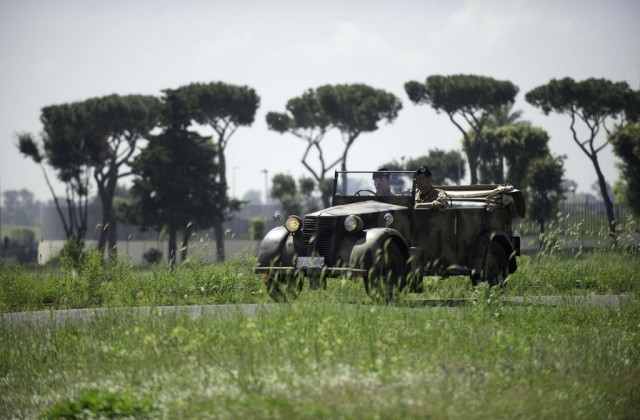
x: 433, y: 231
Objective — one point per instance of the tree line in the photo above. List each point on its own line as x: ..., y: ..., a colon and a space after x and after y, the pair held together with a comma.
x: 179, y: 174
x: 498, y: 146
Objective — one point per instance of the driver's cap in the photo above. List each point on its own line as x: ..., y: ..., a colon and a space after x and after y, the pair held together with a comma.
x: 423, y: 170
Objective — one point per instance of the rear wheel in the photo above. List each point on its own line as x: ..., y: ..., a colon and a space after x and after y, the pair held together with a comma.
x: 387, y: 275
x: 415, y: 279
x: 495, y: 266
x: 317, y: 280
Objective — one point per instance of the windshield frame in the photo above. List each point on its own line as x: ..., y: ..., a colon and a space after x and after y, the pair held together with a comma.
x: 371, y: 173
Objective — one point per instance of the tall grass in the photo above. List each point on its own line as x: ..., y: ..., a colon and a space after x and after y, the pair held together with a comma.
x: 317, y: 359
x: 563, y: 265
x: 95, y: 283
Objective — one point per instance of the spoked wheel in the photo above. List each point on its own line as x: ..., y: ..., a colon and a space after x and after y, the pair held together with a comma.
x: 317, y: 280
x: 414, y: 279
x: 284, y: 286
x: 387, y: 276
x: 495, y: 265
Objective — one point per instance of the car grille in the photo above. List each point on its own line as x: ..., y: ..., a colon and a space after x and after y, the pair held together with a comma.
x: 324, y: 228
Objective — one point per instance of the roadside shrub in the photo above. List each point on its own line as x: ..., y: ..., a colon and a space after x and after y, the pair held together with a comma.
x: 101, y: 404
x: 72, y: 253
x: 152, y: 256
x: 23, y: 236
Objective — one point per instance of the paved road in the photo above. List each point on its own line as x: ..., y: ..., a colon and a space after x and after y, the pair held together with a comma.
x: 57, y: 317
x: 591, y: 300
x: 69, y: 315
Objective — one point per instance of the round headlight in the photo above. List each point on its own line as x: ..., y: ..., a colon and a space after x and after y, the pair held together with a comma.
x: 293, y: 224
x: 353, y: 223
x: 388, y: 219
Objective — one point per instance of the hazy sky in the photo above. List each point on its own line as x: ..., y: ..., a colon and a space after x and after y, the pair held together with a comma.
x: 59, y: 51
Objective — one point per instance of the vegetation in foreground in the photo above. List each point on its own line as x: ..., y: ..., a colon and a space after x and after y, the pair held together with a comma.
x: 317, y: 359
x: 98, y: 284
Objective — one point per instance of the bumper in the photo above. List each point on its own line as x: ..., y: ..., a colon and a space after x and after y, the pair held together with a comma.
x: 327, y: 271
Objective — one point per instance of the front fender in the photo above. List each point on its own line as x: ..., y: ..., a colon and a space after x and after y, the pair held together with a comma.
x: 363, y: 252
x: 274, y: 246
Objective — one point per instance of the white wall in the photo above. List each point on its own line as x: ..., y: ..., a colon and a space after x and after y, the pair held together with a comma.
x: 133, y: 250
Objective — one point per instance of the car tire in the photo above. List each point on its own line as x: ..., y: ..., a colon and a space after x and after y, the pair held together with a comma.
x: 495, y: 267
x: 284, y: 287
x: 317, y: 281
x: 415, y: 281
x: 386, y: 277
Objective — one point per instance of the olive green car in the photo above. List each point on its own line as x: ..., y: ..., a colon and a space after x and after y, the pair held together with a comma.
x: 390, y: 241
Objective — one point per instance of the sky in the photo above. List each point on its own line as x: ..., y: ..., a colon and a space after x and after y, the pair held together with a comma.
x: 59, y: 51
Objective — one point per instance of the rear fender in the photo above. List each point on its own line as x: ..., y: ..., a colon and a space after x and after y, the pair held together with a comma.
x: 363, y: 252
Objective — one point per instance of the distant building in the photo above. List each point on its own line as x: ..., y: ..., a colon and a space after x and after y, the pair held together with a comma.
x: 241, y: 220
x: 52, y: 229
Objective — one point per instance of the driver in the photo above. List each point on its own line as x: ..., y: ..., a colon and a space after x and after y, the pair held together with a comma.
x: 426, y: 195
x: 382, y: 182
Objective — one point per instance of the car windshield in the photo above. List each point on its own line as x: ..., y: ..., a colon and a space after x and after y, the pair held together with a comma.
x: 381, y: 184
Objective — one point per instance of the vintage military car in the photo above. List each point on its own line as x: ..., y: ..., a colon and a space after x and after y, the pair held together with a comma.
x: 390, y: 241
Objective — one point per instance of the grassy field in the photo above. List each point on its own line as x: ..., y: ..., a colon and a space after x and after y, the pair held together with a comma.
x: 317, y: 359
x: 95, y: 284
x: 322, y: 356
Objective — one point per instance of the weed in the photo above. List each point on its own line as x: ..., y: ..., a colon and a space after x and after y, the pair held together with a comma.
x: 95, y: 403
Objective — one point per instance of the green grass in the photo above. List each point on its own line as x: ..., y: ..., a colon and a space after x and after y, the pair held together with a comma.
x: 118, y: 284
x: 323, y: 356
x: 96, y: 285
x: 596, y: 272
x: 317, y: 359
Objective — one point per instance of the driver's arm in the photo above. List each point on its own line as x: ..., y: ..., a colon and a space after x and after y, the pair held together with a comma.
x: 441, y: 202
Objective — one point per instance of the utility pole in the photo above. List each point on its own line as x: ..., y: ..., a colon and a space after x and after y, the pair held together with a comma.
x: 266, y: 186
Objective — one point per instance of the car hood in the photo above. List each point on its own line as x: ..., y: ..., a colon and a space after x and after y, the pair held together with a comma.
x: 363, y: 207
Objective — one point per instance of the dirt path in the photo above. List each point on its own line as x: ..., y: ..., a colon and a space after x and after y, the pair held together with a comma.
x: 57, y: 317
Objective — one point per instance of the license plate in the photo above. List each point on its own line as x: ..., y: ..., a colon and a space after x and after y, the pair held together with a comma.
x: 310, y: 262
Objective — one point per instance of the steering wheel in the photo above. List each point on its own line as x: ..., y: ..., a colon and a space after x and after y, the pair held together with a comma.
x: 357, y: 193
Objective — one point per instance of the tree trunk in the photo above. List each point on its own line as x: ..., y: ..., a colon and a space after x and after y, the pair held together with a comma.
x: 473, y: 169
x: 217, y: 226
x: 185, y: 243
x: 219, y: 234
x: 171, y: 251
x: 326, y: 199
x: 106, y: 220
x: 469, y: 147
x: 108, y: 234
x: 113, y: 238
x: 343, y: 164
x: 608, y: 204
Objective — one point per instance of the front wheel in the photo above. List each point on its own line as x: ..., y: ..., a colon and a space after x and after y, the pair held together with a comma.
x: 284, y: 286
x: 386, y: 277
